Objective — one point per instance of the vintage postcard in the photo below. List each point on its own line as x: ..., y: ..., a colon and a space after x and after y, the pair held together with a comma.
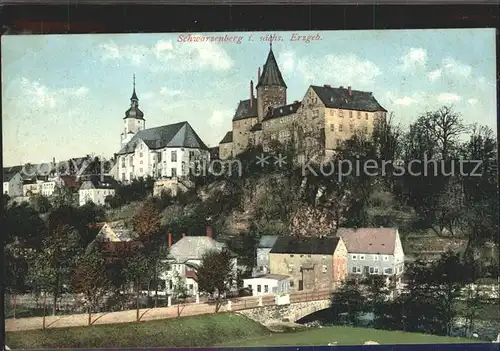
x: 250, y: 189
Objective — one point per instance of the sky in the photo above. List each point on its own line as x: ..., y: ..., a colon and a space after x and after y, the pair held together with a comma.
x: 65, y: 96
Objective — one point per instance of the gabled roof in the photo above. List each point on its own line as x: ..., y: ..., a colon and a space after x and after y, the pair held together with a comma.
x: 340, y: 98
x: 95, y: 182
x: 8, y: 176
x: 228, y: 138
x: 271, y: 74
x: 305, y: 245
x: 282, y: 111
x: 70, y: 181
x: 267, y: 241
x: 245, y: 110
x: 193, y: 248
x: 369, y: 240
x: 172, y: 135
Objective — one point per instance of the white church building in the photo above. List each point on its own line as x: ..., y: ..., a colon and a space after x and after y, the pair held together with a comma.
x: 161, y: 152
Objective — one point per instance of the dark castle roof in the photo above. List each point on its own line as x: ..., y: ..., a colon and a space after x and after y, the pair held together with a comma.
x: 244, y: 110
x: 271, y: 74
x: 340, y: 98
x: 172, y: 135
x: 305, y: 245
x: 282, y: 111
x: 228, y: 138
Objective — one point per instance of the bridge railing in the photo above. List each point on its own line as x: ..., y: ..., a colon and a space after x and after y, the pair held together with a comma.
x: 314, y: 295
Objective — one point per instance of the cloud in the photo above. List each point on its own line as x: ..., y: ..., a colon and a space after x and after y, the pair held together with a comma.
x: 166, y: 55
x: 448, y: 98
x: 39, y: 96
x: 434, y: 75
x: 414, y: 58
x: 455, y: 68
x: 339, y: 70
x: 472, y: 101
x: 415, y: 98
x: 286, y: 61
x: 167, y: 92
x: 219, y: 117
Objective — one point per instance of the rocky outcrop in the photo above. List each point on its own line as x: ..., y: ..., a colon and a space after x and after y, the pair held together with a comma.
x: 310, y: 221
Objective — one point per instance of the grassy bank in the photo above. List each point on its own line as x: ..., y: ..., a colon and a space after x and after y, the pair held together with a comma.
x: 183, y: 332
x: 223, y: 329
x: 343, y: 336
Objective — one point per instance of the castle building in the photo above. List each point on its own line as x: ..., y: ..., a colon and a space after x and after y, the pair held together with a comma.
x: 316, y: 125
x: 168, y: 151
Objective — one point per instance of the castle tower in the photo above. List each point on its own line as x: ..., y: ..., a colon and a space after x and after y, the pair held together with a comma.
x: 271, y: 88
x: 133, y: 120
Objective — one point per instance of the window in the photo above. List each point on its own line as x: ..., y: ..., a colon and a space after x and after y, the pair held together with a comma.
x: 366, y: 116
x: 376, y: 271
x: 174, y: 172
x: 341, y: 113
x: 170, y: 284
x: 359, y: 114
x: 332, y: 127
x: 375, y: 257
x: 123, y: 177
x: 259, y: 288
x: 191, y: 154
x: 388, y: 270
x: 372, y: 270
x: 362, y: 257
x: 173, y: 156
x: 190, y: 286
x: 386, y: 258
x: 354, y: 269
x: 266, y: 288
x: 123, y: 162
x: 131, y: 161
x: 140, y: 170
x: 140, y: 154
x: 291, y: 283
x: 290, y: 267
x: 140, y: 162
x: 339, y: 142
x: 351, y: 128
x: 354, y: 257
x: 365, y: 129
x: 291, y: 255
x: 332, y: 112
x: 131, y: 176
x: 341, y: 128
x: 250, y: 286
x: 324, y: 268
x: 350, y: 114
x: 309, y: 256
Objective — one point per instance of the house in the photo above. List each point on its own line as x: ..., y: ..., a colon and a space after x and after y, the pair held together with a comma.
x: 96, y: 190
x: 325, y: 117
x: 264, y: 246
x: 268, y: 284
x: 374, y: 251
x: 185, y: 256
x: 12, y: 184
x: 116, y: 231
x: 313, y: 263
x: 166, y: 151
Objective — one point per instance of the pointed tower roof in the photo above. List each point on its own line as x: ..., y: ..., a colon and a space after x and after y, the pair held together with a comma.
x: 133, y: 111
x: 271, y: 74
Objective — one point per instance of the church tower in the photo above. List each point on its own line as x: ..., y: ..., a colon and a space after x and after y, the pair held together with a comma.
x: 133, y: 120
x: 271, y: 88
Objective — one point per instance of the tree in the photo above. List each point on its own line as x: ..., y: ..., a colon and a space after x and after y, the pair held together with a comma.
x: 40, y: 203
x: 378, y: 294
x: 472, y: 306
x: 216, y: 275
x: 64, y: 196
x: 90, y: 278
x: 348, y: 301
x: 52, y: 264
x: 146, y: 222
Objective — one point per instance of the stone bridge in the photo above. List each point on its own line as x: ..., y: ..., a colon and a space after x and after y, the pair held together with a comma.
x: 289, y: 310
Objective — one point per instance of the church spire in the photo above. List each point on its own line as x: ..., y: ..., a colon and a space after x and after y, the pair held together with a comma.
x: 134, y: 98
x: 271, y: 74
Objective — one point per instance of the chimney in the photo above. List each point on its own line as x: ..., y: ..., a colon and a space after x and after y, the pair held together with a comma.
x: 169, y: 240
x: 209, y: 231
x: 341, y: 87
x: 258, y: 75
x: 327, y: 86
x: 350, y: 91
x: 251, y: 93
